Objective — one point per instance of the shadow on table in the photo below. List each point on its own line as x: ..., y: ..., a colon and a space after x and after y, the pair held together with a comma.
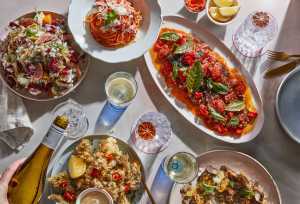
x: 91, y: 89
x: 217, y: 30
x: 189, y: 15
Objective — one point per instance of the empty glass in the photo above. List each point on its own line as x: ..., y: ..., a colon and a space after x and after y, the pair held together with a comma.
x: 78, y: 122
x: 254, y: 33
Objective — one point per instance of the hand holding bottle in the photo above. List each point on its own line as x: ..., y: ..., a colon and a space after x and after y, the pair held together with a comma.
x: 5, y: 178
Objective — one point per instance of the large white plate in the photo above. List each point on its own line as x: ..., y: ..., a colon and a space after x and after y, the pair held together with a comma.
x: 145, y: 38
x: 218, y: 46
x: 238, y: 162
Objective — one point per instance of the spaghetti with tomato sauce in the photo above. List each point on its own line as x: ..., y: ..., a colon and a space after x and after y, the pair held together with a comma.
x: 201, y: 79
x: 114, y: 23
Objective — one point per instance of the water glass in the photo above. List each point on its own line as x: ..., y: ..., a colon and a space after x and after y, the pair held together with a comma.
x: 254, y: 33
x: 120, y: 89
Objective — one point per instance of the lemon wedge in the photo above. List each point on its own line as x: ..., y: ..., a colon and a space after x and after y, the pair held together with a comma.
x: 229, y: 11
x: 223, y: 3
x: 214, y: 12
x: 76, y: 166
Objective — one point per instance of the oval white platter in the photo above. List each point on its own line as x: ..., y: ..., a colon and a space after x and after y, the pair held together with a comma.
x: 218, y: 46
x: 146, y: 36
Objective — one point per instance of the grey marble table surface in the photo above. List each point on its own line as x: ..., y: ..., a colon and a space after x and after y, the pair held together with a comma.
x: 273, y: 148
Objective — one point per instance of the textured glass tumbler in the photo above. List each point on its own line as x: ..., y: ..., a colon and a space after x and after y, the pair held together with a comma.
x: 255, y: 33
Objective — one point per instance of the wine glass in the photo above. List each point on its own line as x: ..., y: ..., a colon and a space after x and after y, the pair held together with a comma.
x: 181, y: 167
x: 121, y: 89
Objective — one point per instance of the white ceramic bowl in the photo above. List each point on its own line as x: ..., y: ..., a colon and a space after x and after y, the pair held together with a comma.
x: 219, y: 22
x: 147, y: 35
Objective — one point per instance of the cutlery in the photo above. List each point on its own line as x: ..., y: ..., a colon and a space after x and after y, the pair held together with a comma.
x: 282, y: 69
x: 280, y: 56
x: 148, y: 191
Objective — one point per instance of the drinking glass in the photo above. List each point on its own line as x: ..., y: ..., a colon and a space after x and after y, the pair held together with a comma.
x: 78, y: 121
x: 181, y: 167
x: 254, y: 33
x: 120, y: 89
x: 151, y: 132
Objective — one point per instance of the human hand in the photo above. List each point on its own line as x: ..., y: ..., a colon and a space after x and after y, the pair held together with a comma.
x: 5, y: 179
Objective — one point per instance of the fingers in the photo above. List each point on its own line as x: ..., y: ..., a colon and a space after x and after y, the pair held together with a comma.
x: 9, y: 172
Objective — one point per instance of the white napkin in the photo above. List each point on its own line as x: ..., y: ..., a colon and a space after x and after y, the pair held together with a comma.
x: 15, y: 125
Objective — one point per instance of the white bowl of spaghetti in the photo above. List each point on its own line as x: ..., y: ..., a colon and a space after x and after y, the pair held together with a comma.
x: 115, y: 30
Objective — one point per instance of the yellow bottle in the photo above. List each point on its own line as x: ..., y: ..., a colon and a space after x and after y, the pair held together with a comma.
x: 26, y: 186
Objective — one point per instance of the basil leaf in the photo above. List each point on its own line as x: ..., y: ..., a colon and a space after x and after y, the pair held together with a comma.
x: 235, y: 106
x: 186, y: 47
x: 110, y: 17
x: 246, y: 193
x: 200, y: 53
x: 231, y: 184
x: 194, y: 78
x: 217, y: 116
x: 217, y: 87
x: 170, y: 36
x: 208, y: 189
x: 175, y: 70
x: 234, y: 121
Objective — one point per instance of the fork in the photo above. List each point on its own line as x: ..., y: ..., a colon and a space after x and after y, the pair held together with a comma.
x: 280, y: 56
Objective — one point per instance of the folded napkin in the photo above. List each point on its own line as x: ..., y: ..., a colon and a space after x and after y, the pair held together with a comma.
x: 15, y: 125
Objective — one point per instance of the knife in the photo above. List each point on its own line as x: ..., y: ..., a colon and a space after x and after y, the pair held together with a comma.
x: 282, y: 69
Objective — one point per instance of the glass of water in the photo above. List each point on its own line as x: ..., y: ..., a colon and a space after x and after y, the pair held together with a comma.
x: 181, y: 167
x: 121, y: 89
x: 254, y: 33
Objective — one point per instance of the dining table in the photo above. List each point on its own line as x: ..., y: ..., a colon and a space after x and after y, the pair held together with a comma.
x: 272, y: 147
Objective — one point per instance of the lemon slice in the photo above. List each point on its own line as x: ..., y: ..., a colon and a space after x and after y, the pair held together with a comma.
x: 214, y: 13
x: 229, y: 11
x: 76, y: 166
x: 223, y: 3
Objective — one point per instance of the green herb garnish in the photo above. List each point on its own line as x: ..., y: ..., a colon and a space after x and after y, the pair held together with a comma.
x: 231, y: 184
x: 246, y: 193
x: 175, y: 70
x: 217, y: 87
x: 194, y: 78
x: 217, y: 116
x: 234, y: 121
x: 235, y: 106
x: 208, y: 189
x: 186, y: 47
x: 110, y: 17
x: 170, y: 36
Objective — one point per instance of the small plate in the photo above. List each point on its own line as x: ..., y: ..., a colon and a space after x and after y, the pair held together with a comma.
x: 238, y: 162
x: 148, y: 32
x: 288, y: 103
